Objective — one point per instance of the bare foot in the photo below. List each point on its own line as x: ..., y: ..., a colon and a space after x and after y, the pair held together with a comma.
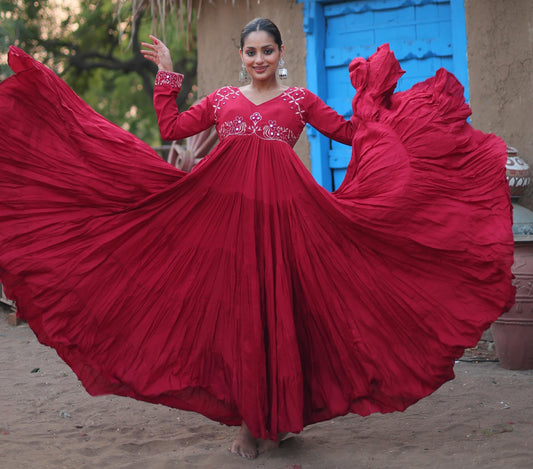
x: 264, y: 446
x: 245, y: 445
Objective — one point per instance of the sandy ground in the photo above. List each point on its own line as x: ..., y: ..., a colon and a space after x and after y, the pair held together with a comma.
x: 482, y: 419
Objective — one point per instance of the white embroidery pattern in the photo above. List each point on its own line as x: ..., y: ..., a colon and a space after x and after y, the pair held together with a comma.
x: 294, y: 97
x: 268, y: 131
x: 235, y: 127
x: 174, y: 80
x: 222, y: 96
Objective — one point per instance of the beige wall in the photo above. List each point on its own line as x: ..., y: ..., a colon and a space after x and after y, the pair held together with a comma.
x: 219, y: 29
x: 500, y: 65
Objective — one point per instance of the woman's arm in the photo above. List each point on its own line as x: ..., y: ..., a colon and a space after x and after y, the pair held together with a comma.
x: 327, y: 121
x: 174, y: 125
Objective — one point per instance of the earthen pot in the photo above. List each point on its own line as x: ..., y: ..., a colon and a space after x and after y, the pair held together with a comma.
x: 513, y: 331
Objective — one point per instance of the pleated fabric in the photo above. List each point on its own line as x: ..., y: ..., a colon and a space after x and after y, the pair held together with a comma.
x: 243, y: 290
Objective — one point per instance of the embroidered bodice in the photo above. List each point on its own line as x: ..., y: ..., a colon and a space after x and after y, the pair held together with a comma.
x: 254, y: 120
x: 281, y: 118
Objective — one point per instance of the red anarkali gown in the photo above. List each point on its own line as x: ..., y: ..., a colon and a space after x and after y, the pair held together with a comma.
x: 243, y: 290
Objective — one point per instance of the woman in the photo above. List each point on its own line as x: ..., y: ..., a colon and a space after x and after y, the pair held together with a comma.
x: 243, y: 290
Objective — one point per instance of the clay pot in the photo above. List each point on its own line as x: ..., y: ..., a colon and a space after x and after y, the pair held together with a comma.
x: 517, y: 171
x: 513, y: 331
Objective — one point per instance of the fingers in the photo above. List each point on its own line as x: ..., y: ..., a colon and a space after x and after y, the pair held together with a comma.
x: 151, y: 51
x: 153, y: 46
x: 157, y: 52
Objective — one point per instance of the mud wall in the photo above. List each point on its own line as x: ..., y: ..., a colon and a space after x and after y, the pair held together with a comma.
x: 500, y: 67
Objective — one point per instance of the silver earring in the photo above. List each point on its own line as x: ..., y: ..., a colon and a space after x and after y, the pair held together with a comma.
x: 282, y: 71
x: 243, y: 74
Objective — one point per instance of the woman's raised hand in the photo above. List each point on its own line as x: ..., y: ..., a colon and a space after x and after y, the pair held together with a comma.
x: 158, y: 53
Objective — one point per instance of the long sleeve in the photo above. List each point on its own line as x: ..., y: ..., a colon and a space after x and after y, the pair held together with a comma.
x: 326, y: 120
x: 174, y: 125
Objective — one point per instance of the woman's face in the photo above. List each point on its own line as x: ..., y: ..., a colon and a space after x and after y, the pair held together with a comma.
x: 261, y: 55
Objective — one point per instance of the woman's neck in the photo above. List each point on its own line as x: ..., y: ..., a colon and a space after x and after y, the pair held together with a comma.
x: 265, y: 86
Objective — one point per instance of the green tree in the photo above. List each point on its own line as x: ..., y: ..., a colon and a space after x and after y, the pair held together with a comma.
x: 97, y: 52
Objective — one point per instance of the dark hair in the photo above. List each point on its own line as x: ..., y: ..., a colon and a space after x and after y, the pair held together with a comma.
x: 261, y: 24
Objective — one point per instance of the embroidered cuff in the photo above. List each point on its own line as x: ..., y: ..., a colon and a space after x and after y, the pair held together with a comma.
x: 172, y: 79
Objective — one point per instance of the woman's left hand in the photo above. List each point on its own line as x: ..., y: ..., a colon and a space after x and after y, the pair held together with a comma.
x: 158, y: 53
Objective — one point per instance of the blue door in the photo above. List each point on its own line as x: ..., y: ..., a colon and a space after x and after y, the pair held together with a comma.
x: 424, y: 35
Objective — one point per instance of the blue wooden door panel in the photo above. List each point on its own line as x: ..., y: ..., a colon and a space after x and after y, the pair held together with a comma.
x: 419, y: 33
x: 425, y: 35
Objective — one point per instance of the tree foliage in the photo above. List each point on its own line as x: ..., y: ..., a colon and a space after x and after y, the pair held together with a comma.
x: 96, y: 50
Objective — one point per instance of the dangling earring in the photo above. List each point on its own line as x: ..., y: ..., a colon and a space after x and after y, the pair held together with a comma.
x: 282, y: 71
x: 243, y: 74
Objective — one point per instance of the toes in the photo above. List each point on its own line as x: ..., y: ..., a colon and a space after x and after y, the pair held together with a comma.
x: 243, y: 453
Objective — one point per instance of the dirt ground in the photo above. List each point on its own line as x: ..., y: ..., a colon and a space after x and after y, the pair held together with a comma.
x: 482, y: 419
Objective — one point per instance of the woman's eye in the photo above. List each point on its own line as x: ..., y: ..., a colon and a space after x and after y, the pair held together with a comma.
x: 250, y: 53
x: 268, y: 51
